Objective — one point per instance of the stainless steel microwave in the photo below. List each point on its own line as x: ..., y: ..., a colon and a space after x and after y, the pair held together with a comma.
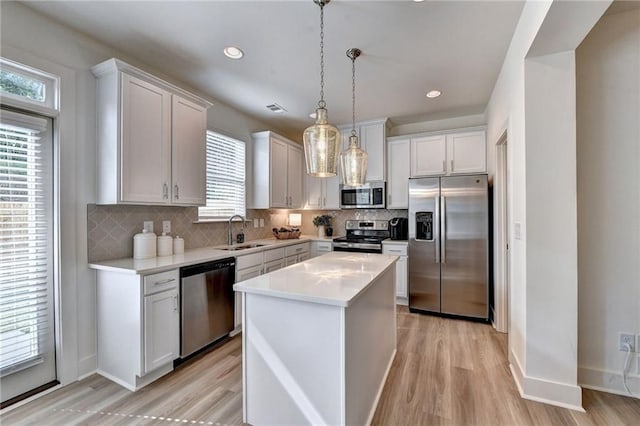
x: 371, y: 195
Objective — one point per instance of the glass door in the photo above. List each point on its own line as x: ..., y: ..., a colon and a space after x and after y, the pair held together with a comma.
x: 27, y: 344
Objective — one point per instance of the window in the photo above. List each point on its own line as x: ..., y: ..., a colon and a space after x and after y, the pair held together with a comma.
x: 226, y: 181
x: 26, y: 240
x: 27, y: 85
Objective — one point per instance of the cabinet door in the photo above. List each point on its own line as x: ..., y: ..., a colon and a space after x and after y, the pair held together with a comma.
x: 467, y: 152
x: 290, y: 260
x: 278, y: 170
x: 242, y: 275
x: 304, y: 256
x: 313, y: 192
x: 331, y: 193
x: 428, y: 156
x: 372, y: 140
x: 188, y: 153
x: 161, y: 329
x: 146, y: 142
x: 294, y: 177
x: 273, y: 266
x: 398, y: 173
x: 401, y: 277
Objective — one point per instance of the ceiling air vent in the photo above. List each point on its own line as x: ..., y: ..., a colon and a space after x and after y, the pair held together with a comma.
x: 276, y: 108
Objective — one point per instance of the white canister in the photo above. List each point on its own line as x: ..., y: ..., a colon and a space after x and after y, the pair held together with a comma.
x: 144, y: 245
x: 165, y: 245
x: 178, y: 245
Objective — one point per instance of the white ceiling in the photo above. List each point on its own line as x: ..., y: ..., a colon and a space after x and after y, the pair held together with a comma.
x: 408, y: 49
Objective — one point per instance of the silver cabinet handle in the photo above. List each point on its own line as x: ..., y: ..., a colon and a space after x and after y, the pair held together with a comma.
x: 177, y: 190
x: 175, y: 303
x: 394, y: 251
x: 165, y: 191
x: 451, y: 165
x: 389, y: 199
x: 324, y: 201
x: 444, y: 165
x: 319, y: 203
x: 167, y: 281
x: 444, y: 229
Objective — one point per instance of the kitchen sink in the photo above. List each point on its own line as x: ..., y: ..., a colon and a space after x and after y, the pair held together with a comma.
x: 242, y: 247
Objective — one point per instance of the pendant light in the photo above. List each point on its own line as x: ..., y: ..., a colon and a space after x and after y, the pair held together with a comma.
x: 353, y: 160
x: 322, y: 140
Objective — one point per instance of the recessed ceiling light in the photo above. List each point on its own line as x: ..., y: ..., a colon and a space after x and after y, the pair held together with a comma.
x: 433, y: 94
x: 418, y: 1
x: 233, y: 52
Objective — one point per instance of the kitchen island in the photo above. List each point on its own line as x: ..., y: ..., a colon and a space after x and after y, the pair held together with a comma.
x: 318, y: 338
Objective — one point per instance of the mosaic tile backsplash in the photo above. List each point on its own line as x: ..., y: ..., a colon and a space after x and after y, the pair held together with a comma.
x: 111, y: 228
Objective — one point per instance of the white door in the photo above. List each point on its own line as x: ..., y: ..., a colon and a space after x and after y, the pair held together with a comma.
x: 27, y: 348
x: 294, y: 177
x: 467, y: 152
x: 313, y: 192
x: 188, y: 153
x: 278, y: 174
x: 428, y: 156
x: 331, y: 193
x: 372, y: 138
x: 146, y: 142
x: 161, y: 329
x: 397, y: 166
x: 401, y: 277
x: 242, y: 275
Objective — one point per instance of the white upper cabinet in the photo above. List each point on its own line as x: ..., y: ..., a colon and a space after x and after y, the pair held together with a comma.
x: 452, y: 153
x: 151, y: 139
x: 398, y: 174
x: 372, y: 136
x: 277, y: 172
x: 322, y: 193
x: 428, y: 155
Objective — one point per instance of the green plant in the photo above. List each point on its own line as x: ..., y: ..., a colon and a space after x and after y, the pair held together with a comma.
x: 322, y: 220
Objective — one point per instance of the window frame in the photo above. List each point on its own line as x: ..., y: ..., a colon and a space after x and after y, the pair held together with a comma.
x: 203, y: 217
x: 51, y: 92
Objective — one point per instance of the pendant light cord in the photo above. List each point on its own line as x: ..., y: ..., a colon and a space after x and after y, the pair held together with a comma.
x: 321, y: 102
x: 353, y: 95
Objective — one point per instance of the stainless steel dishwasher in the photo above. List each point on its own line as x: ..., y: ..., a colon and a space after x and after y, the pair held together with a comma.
x: 207, y: 303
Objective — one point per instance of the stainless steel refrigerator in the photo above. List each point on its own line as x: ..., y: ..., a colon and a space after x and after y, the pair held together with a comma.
x: 449, y: 245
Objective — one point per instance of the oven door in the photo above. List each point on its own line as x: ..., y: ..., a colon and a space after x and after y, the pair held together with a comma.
x: 357, y: 247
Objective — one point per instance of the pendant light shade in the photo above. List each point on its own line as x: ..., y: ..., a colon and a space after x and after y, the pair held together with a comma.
x: 322, y: 140
x: 321, y: 147
x: 353, y: 160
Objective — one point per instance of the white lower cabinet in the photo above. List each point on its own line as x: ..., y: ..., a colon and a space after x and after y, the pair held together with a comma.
x: 318, y: 248
x: 138, y: 326
x: 399, y: 249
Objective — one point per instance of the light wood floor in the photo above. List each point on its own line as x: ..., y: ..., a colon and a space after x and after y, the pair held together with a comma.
x: 445, y: 372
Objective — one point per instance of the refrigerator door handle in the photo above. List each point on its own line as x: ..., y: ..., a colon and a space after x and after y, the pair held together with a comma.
x: 436, y: 229
x: 443, y: 205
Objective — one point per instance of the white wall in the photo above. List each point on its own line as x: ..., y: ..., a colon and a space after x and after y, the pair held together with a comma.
x: 436, y: 125
x: 608, y: 148
x: 534, y: 100
x: 29, y: 37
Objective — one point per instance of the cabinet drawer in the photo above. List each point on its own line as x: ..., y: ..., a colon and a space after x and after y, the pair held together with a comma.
x: 275, y: 254
x: 296, y: 249
x: 160, y: 282
x: 395, y: 249
x: 273, y: 266
x: 248, y: 260
x: 324, y: 246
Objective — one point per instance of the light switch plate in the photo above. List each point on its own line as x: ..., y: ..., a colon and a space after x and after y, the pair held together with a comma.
x: 256, y: 223
x: 166, y: 226
x: 517, y: 230
x: 261, y: 223
x: 148, y: 225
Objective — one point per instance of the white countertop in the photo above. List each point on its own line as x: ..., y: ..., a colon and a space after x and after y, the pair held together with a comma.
x: 335, y: 278
x: 194, y: 256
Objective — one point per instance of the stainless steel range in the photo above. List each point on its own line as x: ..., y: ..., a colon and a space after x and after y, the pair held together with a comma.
x: 363, y: 236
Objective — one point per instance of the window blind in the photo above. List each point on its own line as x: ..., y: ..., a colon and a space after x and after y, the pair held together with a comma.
x: 226, y: 185
x: 25, y: 240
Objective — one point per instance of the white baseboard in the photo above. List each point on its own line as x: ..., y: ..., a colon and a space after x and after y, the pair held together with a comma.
x: 608, y: 381
x: 402, y: 301
x: 546, y: 391
x: 87, y: 366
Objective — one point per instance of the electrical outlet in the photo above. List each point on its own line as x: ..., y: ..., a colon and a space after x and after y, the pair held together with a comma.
x: 625, y: 339
x: 148, y: 225
x: 166, y: 226
x: 256, y: 223
x: 261, y: 223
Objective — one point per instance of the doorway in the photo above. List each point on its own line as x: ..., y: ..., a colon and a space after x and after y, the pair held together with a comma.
x: 502, y: 274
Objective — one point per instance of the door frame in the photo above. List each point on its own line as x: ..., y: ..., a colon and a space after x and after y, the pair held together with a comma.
x: 502, y: 203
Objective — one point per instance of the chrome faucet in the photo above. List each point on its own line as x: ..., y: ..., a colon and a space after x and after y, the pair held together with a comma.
x: 230, y: 236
